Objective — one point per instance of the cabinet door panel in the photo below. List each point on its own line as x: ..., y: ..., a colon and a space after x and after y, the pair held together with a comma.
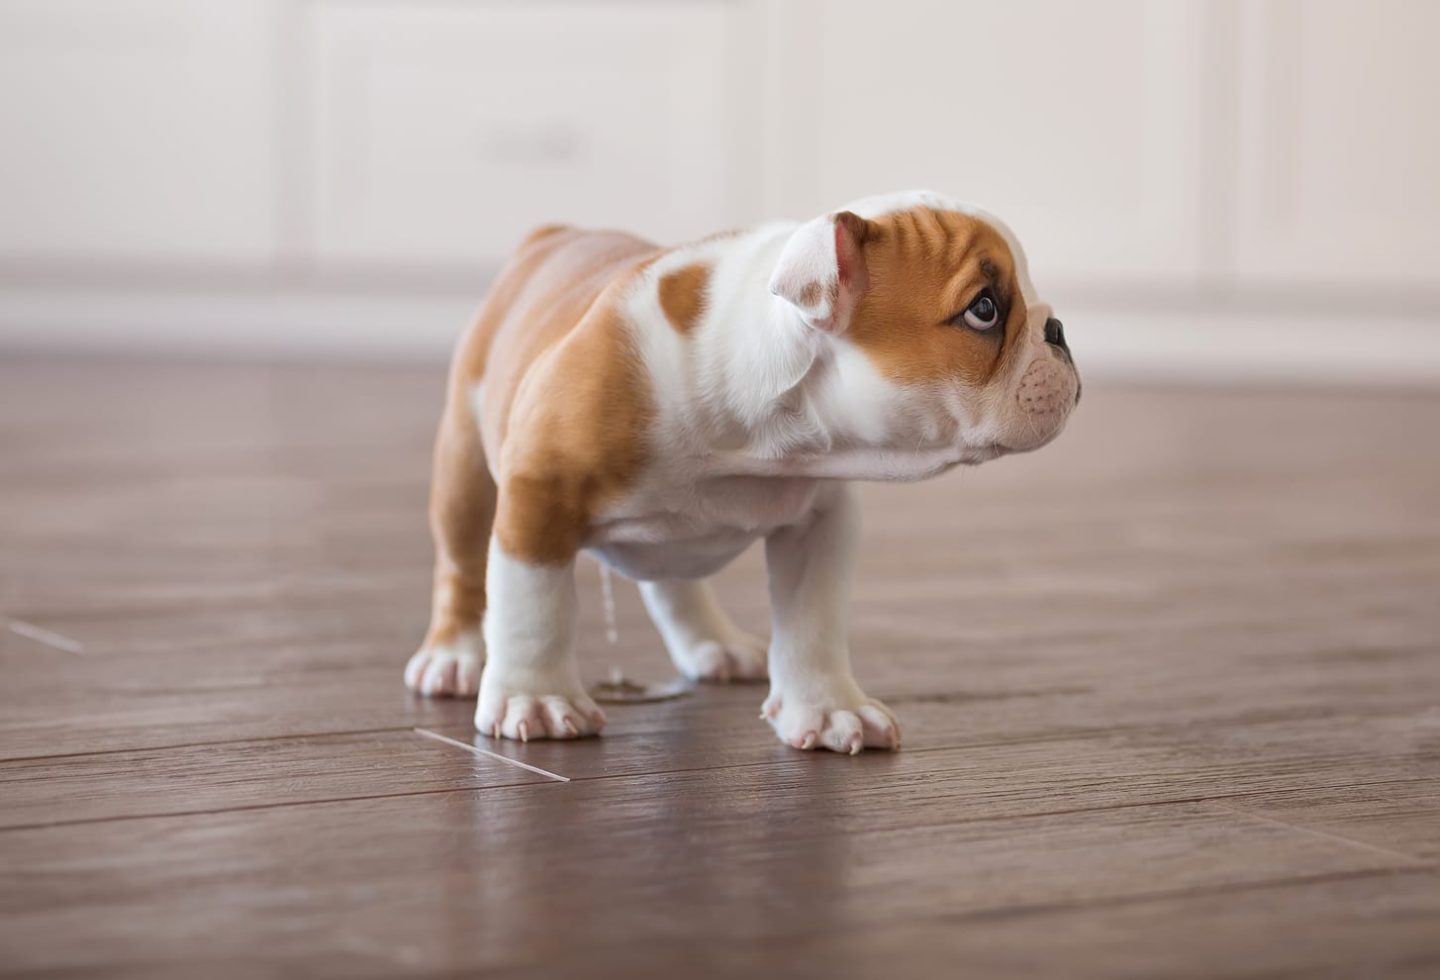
x: 137, y: 130
x: 1079, y: 123
x: 444, y: 132
x: 1339, y: 177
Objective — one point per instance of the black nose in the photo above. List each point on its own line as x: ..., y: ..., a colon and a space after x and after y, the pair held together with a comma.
x: 1055, y: 333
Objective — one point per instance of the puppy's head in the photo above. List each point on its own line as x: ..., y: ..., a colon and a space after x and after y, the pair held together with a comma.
x: 940, y: 339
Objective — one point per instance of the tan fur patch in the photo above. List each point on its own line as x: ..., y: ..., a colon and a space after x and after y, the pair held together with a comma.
x: 925, y: 266
x: 462, y: 507
x: 682, y: 295
x: 565, y: 402
x: 586, y: 408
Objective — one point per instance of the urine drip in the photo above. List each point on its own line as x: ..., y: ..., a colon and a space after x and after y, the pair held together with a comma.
x: 619, y: 689
x: 607, y: 594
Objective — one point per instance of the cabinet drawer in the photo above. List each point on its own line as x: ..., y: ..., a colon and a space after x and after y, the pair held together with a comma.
x: 444, y: 132
x: 137, y: 131
x: 1079, y: 123
x: 1339, y: 150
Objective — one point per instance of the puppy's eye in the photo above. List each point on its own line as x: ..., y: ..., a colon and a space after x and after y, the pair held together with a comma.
x: 983, y: 313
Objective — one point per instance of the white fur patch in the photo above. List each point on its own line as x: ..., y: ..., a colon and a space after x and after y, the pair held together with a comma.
x: 531, y: 685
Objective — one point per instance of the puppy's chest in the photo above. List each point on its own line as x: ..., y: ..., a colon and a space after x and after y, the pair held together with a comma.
x: 666, y: 528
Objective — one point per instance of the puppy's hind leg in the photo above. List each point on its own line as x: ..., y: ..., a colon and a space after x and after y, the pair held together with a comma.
x: 462, y: 510
x: 704, y: 643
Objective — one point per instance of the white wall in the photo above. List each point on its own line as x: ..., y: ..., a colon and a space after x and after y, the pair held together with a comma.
x: 1210, y: 188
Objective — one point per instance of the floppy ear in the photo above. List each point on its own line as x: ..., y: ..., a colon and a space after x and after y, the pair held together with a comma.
x: 822, y: 271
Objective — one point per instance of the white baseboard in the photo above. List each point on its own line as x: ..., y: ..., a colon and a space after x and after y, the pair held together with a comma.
x: 1231, y: 345
x: 252, y: 323
x: 1189, y: 344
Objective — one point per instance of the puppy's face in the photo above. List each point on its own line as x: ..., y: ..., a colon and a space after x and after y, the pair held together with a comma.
x: 949, y: 346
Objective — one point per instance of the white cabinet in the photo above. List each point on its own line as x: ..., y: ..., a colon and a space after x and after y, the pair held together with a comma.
x: 1339, y: 142
x: 140, y: 131
x: 1080, y: 123
x: 442, y: 132
x: 1182, y: 160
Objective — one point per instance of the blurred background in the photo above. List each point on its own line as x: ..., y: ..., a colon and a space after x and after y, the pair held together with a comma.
x: 1207, y: 188
x: 1170, y: 688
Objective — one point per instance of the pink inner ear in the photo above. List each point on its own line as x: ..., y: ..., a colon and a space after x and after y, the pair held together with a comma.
x: 850, y: 261
x: 841, y: 261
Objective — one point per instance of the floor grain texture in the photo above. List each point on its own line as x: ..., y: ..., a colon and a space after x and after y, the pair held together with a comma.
x: 1170, y: 687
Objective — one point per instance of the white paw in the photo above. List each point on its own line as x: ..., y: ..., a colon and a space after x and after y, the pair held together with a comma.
x: 538, y: 707
x: 739, y: 657
x: 446, y: 670
x: 846, y: 721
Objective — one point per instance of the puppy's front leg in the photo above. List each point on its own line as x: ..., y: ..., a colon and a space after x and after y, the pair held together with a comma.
x: 814, y: 700
x: 531, y: 686
x: 703, y: 642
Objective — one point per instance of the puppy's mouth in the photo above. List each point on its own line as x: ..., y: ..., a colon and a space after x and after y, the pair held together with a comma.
x: 973, y: 455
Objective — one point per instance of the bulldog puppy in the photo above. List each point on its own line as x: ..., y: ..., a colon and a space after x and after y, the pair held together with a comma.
x: 663, y: 408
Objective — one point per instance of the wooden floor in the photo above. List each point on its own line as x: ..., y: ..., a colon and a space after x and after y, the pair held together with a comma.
x: 1170, y: 688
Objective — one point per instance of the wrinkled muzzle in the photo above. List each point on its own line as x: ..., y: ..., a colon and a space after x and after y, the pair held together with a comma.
x: 1044, y: 397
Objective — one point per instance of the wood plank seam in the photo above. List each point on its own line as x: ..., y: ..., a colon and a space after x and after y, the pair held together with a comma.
x: 1172, y: 894
x: 218, y: 811
x: 1213, y: 800
x: 206, y: 744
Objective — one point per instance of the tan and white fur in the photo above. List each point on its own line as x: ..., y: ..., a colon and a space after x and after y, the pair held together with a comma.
x: 664, y: 408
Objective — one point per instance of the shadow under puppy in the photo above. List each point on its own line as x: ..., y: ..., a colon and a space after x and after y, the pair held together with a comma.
x: 663, y: 408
